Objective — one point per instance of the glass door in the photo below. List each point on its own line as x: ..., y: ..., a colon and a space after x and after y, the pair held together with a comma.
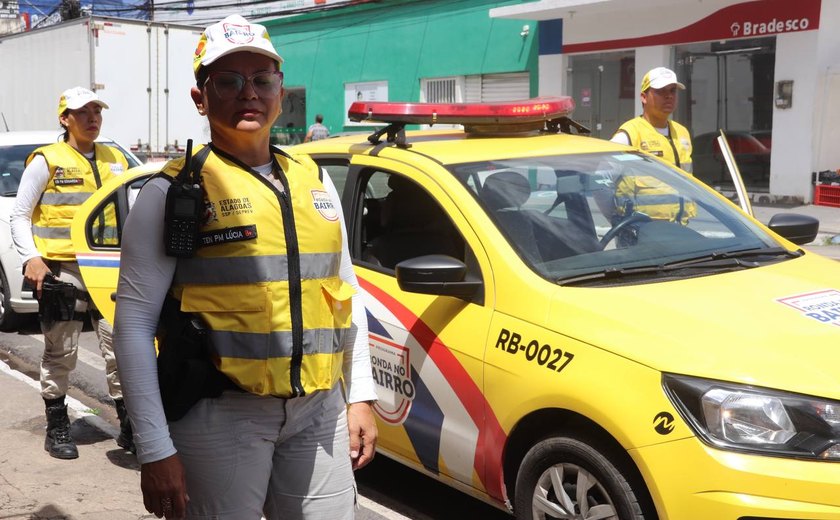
x: 603, y: 87
x: 729, y: 87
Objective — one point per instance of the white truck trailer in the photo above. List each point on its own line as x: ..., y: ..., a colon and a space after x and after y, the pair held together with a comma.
x: 142, y: 69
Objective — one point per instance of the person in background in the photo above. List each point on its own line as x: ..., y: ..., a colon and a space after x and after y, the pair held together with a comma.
x: 653, y: 131
x: 57, y: 179
x: 317, y: 130
x: 277, y: 300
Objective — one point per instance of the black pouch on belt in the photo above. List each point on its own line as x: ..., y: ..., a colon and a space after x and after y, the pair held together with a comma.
x: 186, y: 374
x: 57, y: 302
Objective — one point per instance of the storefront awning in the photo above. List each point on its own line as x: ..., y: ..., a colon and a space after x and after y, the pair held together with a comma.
x: 553, y: 9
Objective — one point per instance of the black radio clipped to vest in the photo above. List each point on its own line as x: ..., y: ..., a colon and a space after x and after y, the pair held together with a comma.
x: 184, y: 209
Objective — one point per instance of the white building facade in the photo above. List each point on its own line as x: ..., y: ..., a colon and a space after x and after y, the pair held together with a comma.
x: 767, y: 72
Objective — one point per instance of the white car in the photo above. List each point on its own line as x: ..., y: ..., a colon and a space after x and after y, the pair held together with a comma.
x: 15, y: 147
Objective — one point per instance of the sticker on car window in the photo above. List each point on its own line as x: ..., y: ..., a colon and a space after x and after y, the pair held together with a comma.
x: 627, y: 157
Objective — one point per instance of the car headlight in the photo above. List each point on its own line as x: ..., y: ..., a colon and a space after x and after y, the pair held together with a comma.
x: 750, y: 418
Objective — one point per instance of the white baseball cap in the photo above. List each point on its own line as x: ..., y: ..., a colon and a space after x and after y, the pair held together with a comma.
x: 77, y: 97
x: 233, y: 34
x: 660, y: 77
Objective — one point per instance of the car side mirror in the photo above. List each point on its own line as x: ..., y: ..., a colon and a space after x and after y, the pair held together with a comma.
x: 799, y: 229
x: 435, y: 274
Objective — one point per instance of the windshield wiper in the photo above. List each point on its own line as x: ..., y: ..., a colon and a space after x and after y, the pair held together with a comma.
x: 726, y: 260
x: 745, y: 253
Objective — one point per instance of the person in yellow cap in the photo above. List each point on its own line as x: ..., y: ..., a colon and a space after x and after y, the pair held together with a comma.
x: 57, y: 179
x: 655, y: 133
x: 273, y: 411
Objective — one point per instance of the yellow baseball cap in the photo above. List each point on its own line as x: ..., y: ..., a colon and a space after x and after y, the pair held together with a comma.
x: 77, y: 97
x: 660, y: 77
x: 233, y: 34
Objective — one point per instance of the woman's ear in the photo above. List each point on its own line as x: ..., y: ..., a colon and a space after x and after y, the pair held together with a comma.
x: 198, y: 99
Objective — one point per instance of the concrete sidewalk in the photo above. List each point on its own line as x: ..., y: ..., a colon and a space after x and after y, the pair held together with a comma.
x: 102, y: 484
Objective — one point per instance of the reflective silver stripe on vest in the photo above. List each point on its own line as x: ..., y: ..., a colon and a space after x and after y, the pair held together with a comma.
x: 64, y: 199
x: 251, y: 345
x: 51, y: 232
x: 655, y: 200
x: 253, y: 269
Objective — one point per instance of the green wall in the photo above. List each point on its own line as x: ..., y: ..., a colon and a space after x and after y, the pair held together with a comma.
x: 398, y: 41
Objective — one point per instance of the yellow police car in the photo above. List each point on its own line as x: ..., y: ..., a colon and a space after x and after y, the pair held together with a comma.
x: 568, y: 328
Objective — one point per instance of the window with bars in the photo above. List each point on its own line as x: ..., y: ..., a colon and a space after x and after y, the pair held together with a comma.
x: 442, y: 90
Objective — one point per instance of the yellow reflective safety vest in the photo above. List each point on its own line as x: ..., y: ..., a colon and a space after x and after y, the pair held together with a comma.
x: 656, y: 199
x: 265, y: 278
x: 675, y: 149
x: 73, y: 178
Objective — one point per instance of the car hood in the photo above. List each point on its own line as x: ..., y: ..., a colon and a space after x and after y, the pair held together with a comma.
x: 770, y: 326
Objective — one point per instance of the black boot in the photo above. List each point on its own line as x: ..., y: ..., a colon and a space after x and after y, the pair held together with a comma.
x: 58, y: 441
x: 126, y: 438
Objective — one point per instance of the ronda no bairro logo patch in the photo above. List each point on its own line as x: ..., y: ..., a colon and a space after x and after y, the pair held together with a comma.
x: 823, y: 306
x: 323, y: 203
x: 238, y: 34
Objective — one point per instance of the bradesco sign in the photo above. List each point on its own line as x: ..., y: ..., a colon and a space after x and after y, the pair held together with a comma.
x: 760, y: 18
x: 744, y: 20
x: 774, y: 26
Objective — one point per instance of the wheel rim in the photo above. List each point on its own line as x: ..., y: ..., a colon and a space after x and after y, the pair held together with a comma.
x: 570, y: 492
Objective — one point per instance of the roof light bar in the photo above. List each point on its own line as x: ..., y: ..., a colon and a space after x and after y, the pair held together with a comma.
x: 468, y: 114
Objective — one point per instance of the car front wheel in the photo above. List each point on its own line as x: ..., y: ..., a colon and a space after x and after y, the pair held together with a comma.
x: 563, y: 477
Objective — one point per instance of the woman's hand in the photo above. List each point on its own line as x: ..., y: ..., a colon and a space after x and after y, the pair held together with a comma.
x: 34, y: 273
x: 164, y: 487
x: 362, y: 426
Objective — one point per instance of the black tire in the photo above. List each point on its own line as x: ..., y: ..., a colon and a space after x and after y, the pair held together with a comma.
x: 571, y: 464
x: 9, y: 319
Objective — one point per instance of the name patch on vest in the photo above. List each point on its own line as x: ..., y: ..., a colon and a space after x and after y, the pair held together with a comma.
x: 63, y: 177
x: 323, y: 203
x: 232, y: 234
x: 237, y: 206
x: 116, y: 168
x: 68, y: 181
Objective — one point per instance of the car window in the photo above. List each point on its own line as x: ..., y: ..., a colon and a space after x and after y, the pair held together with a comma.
x: 570, y: 215
x: 13, y: 162
x: 337, y: 172
x: 104, y: 225
x: 401, y: 220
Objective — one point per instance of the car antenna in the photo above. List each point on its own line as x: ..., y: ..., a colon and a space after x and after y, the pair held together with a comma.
x: 184, y: 174
x: 4, y: 121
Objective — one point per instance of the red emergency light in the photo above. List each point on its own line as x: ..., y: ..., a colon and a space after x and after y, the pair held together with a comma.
x: 515, y: 113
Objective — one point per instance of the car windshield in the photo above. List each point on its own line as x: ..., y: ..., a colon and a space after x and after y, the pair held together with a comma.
x: 585, y: 217
x: 13, y: 161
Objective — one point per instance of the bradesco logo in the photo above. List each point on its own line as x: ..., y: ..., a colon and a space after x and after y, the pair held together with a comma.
x: 773, y: 26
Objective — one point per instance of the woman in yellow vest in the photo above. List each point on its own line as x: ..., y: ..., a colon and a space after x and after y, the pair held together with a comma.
x: 247, y: 245
x: 57, y: 179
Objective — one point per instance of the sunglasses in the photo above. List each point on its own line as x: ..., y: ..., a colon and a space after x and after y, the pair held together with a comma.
x: 228, y: 85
